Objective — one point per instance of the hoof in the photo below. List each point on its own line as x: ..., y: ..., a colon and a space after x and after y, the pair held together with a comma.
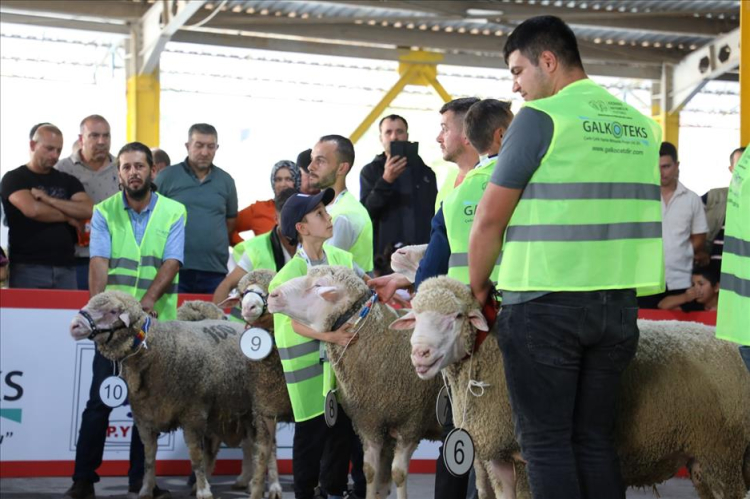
x: 275, y: 492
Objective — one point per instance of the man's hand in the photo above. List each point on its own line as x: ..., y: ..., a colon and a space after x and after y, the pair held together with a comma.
x: 342, y: 336
x: 481, y: 293
x: 39, y: 194
x: 394, y: 167
x: 80, y: 225
x: 701, y: 258
x: 147, y: 304
x: 387, y: 285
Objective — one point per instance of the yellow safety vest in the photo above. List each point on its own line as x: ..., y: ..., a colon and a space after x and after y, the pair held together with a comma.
x: 346, y: 204
x: 260, y: 252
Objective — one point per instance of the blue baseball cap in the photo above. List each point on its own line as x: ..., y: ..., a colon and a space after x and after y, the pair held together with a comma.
x: 299, y: 205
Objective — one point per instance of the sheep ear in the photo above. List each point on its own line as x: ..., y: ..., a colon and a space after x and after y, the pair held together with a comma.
x: 125, y: 318
x: 328, y: 293
x: 478, y: 321
x: 230, y: 301
x: 406, y: 322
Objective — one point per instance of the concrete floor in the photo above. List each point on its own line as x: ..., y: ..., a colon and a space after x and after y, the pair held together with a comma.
x: 420, y: 487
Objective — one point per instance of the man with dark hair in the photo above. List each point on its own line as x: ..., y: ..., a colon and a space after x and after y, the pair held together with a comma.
x: 573, y: 204
x: 332, y: 159
x: 715, y: 202
x: 399, y: 197
x: 684, y: 228
x: 96, y: 168
x: 161, y: 159
x: 303, y: 161
x: 210, y: 196
x: 128, y: 255
x: 43, y: 208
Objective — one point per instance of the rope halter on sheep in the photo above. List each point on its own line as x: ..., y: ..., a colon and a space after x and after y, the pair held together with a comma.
x: 263, y: 298
x: 95, y: 329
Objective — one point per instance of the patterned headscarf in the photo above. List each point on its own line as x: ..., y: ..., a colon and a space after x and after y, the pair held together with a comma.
x: 292, y: 167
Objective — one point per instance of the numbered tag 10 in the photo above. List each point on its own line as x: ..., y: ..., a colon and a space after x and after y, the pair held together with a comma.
x: 331, y: 412
x: 458, y: 452
x: 443, y: 407
x: 256, y: 343
x: 113, y: 391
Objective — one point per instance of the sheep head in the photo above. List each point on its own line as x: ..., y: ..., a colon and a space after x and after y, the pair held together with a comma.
x: 112, y: 312
x: 251, y: 292
x: 445, y: 317
x: 319, y: 298
x: 406, y: 260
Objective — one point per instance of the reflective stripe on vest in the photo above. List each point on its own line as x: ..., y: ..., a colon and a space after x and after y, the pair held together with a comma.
x: 590, y: 216
x: 306, y: 377
x: 733, y: 314
x: 459, y: 208
x: 260, y: 253
x: 346, y: 204
x: 133, y: 268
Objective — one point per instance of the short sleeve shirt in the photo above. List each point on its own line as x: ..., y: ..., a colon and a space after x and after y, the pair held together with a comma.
x: 34, y: 242
x: 209, y: 204
x: 681, y: 218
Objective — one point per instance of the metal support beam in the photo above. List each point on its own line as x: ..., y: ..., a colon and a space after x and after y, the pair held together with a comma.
x: 705, y: 64
x: 148, y: 37
x: 416, y: 68
x: 661, y: 103
x: 745, y: 78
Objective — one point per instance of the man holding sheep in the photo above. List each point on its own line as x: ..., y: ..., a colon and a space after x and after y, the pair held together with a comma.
x: 575, y: 207
x: 137, y: 246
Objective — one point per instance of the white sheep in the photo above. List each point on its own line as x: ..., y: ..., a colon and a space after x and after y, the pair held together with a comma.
x: 189, y: 375
x: 406, y: 260
x: 377, y: 386
x: 685, y: 398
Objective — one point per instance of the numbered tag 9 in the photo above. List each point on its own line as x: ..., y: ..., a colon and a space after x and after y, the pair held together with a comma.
x: 256, y: 343
x: 443, y: 407
x: 458, y: 452
x: 113, y: 391
x: 331, y: 411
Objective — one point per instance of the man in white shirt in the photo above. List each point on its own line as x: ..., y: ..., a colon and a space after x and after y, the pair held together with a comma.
x: 683, y: 226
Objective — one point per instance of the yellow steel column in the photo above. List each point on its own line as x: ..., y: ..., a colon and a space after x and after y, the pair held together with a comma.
x: 143, y: 108
x: 416, y: 68
x: 744, y: 77
x: 661, y: 103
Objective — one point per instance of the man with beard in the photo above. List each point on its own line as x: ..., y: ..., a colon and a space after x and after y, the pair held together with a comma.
x: 210, y: 197
x: 332, y: 159
x: 140, y: 258
x: 95, y: 167
x: 43, y: 207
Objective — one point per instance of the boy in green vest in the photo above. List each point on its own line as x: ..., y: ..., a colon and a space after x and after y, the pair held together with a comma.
x: 304, y: 220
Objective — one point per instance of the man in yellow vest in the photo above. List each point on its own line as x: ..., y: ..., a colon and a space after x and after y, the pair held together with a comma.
x: 332, y: 158
x: 304, y: 220
x: 137, y: 246
x: 733, y: 314
x: 574, y: 204
x: 269, y: 251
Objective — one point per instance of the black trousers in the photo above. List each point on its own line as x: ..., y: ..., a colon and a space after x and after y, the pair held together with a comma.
x: 448, y: 486
x: 314, y: 442
x: 93, y: 432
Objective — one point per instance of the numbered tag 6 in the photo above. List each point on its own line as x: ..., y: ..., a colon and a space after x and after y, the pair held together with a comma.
x: 443, y: 406
x: 113, y: 391
x: 256, y: 343
x: 458, y: 452
x: 331, y: 412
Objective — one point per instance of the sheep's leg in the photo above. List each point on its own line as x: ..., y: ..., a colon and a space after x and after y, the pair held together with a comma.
x: 193, y: 442
x: 504, y: 476
x: 243, y: 481
x: 383, y: 479
x: 274, y: 486
x: 371, y: 466
x: 400, y: 469
x: 263, y: 446
x: 712, y: 481
x: 482, y: 480
x: 149, y: 439
x: 210, y: 452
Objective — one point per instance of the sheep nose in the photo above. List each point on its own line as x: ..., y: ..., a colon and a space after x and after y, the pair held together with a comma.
x: 421, y: 352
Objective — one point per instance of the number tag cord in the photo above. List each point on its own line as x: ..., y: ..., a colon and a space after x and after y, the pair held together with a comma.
x: 474, y: 387
x: 364, y: 314
x: 139, y: 341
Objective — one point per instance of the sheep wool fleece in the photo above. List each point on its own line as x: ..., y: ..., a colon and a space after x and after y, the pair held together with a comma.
x: 307, y: 381
x: 133, y: 268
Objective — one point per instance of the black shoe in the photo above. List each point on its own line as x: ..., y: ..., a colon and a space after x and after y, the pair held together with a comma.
x: 350, y: 494
x: 158, y: 493
x: 81, y: 489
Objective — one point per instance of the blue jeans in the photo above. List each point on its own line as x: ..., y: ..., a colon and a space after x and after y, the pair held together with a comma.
x: 745, y: 354
x: 93, y: 432
x: 199, y: 281
x: 82, y: 273
x: 33, y: 276
x: 564, y: 354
